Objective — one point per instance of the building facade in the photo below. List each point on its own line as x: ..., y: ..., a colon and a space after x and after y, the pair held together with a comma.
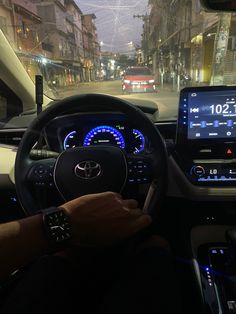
x: 92, y: 53
x: 183, y: 39
x: 52, y: 38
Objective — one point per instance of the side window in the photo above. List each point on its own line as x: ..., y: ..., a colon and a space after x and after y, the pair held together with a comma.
x: 10, y: 104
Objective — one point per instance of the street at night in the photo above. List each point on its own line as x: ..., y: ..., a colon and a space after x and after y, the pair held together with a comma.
x: 165, y: 99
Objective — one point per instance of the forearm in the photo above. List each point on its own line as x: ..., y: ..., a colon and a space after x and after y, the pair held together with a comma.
x: 20, y: 243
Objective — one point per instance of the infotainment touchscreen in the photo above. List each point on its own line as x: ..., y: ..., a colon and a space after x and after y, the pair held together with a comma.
x: 209, y: 113
x: 206, y: 135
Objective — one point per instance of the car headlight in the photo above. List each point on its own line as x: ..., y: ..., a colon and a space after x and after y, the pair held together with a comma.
x: 151, y: 81
x: 126, y: 81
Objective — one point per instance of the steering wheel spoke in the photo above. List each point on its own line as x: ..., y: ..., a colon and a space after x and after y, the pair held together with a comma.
x: 40, y: 173
x: 140, y: 170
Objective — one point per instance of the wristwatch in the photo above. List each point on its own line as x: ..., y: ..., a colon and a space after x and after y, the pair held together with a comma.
x: 57, y: 226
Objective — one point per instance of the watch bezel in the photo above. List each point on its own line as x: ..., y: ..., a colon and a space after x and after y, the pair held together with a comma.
x: 54, y: 212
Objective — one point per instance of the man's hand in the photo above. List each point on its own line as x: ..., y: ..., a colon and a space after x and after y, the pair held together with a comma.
x: 104, y: 219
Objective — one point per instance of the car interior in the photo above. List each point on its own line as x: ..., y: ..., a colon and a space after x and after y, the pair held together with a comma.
x: 182, y: 171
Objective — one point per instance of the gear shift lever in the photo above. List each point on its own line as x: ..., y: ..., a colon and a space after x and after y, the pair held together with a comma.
x: 223, y: 266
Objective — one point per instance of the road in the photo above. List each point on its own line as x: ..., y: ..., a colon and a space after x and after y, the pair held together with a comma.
x: 166, y: 100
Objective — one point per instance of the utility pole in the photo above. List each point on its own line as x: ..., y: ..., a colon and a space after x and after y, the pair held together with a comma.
x: 161, y: 68
x: 220, y: 49
x: 144, y: 18
x: 179, y: 68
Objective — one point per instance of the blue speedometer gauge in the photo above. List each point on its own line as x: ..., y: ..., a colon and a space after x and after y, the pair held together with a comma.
x: 104, y: 135
x: 139, y: 142
x: 71, y: 140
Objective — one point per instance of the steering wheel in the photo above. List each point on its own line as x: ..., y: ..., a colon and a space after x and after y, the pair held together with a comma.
x: 91, y: 169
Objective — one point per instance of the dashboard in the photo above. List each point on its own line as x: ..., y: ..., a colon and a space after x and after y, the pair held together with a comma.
x: 96, y: 129
x: 204, y: 144
x: 201, y: 143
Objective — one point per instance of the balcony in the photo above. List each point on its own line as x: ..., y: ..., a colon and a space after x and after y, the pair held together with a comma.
x: 70, y: 18
x: 5, y: 3
x: 71, y: 37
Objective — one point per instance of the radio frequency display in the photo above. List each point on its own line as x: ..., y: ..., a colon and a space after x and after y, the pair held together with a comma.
x: 211, y: 114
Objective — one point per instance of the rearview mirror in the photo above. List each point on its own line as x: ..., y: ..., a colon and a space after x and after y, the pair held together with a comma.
x: 219, y: 5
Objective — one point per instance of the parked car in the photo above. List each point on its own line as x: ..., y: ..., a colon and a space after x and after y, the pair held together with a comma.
x: 138, y: 80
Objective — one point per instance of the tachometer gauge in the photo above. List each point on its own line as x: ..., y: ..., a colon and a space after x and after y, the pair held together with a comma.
x: 138, y: 142
x: 104, y: 135
x: 71, y: 140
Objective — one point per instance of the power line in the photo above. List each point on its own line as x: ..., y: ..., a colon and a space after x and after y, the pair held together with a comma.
x: 141, y: 16
x: 113, y: 15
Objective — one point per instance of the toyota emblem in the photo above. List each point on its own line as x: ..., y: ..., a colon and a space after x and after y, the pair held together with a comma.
x: 88, y: 169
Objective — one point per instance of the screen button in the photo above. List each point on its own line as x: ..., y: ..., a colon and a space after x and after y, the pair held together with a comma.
x: 198, y: 171
x: 229, y: 152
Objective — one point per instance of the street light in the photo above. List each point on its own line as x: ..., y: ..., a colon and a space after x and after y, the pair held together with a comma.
x: 211, y: 34
x: 44, y: 60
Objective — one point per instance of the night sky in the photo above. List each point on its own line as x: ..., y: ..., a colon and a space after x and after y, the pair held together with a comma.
x: 115, y: 24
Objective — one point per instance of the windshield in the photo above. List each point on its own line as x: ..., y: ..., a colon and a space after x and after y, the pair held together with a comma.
x: 86, y: 46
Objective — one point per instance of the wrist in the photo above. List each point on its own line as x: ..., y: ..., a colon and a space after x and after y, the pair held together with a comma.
x: 57, y: 227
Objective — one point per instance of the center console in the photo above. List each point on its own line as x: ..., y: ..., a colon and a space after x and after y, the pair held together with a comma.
x: 216, y: 267
x: 206, y: 135
x: 205, y: 152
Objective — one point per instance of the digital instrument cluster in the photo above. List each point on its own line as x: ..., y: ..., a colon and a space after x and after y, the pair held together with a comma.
x: 129, y: 139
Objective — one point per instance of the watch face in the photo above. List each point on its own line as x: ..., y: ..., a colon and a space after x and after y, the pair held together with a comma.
x: 58, y: 226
